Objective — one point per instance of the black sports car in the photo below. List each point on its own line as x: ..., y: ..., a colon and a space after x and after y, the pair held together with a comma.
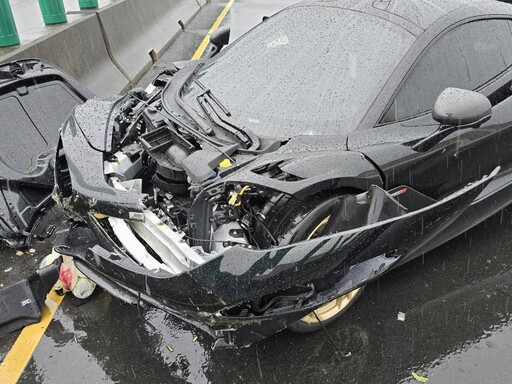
x: 264, y: 187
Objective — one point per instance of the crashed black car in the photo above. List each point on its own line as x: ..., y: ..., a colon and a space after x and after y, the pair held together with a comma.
x: 265, y: 186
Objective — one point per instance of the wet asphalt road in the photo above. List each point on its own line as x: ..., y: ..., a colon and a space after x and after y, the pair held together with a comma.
x: 456, y: 301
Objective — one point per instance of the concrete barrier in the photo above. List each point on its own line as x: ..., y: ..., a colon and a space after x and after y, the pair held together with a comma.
x: 112, y: 49
x: 78, y: 49
x: 138, y: 31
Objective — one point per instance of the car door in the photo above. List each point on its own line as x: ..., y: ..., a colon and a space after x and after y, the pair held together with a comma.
x: 475, y: 56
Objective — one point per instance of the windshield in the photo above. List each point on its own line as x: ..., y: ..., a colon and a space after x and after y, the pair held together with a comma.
x: 305, y: 71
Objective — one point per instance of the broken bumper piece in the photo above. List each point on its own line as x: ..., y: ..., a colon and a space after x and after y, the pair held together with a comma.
x: 214, y: 296
x: 22, y: 303
x: 35, y: 98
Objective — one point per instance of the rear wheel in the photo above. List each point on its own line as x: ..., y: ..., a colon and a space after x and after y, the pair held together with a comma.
x: 306, y: 227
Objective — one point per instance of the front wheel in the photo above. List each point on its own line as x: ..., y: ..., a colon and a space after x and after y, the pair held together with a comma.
x: 306, y: 227
x: 327, y: 313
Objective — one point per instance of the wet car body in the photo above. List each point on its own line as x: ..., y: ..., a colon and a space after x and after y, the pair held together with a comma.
x: 177, y: 202
x: 35, y: 99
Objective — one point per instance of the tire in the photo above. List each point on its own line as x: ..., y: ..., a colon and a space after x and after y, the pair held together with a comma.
x: 307, y: 225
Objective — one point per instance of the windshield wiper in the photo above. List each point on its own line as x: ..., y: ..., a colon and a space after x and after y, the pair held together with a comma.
x: 207, y: 91
x: 212, y: 114
x: 207, y: 101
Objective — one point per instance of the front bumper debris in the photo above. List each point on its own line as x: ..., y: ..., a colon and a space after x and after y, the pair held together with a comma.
x: 205, y: 295
x: 22, y: 303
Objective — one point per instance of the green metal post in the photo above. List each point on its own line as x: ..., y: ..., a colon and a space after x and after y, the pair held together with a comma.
x: 88, y: 4
x: 8, y: 32
x: 53, y: 11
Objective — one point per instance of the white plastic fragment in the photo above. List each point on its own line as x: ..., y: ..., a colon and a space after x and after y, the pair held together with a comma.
x: 70, y: 278
x: 8, y: 270
x: 401, y: 316
x: 150, y: 88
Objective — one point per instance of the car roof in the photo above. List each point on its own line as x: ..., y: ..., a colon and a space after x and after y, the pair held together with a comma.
x: 417, y: 15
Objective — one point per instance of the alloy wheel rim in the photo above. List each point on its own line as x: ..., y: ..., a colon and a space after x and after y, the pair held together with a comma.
x: 330, y: 309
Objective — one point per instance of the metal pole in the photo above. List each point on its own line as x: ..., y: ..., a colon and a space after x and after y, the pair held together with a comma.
x: 88, y: 4
x: 53, y: 11
x: 8, y: 32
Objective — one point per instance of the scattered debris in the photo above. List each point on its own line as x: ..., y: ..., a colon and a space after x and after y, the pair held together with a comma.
x: 70, y: 278
x: 22, y: 302
x: 8, y: 270
x: 258, y: 360
x: 401, y: 316
x: 419, y: 378
x: 32, y: 251
x: 194, y: 339
x: 171, y: 349
x: 20, y: 253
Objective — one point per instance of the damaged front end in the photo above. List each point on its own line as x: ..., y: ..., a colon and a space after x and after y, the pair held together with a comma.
x: 203, y: 230
x: 243, y: 294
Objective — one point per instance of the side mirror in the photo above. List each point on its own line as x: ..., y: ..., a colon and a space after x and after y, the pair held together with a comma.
x: 219, y: 38
x: 456, y: 109
x: 461, y: 108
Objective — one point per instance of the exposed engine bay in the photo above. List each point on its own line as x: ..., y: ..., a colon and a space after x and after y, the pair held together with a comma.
x: 150, y: 160
x: 152, y: 157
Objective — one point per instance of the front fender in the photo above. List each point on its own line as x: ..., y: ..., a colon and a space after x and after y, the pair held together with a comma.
x: 310, y: 173
x: 241, y: 274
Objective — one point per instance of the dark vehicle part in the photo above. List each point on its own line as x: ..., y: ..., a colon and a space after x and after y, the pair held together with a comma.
x: 22, y: 303
x: 456, y: 109
x: 219, y: 38
x: 462, y: 108
x: 35, y: 99
x: 170, y: 175
x: 276, y: 70
x: 306, y: 227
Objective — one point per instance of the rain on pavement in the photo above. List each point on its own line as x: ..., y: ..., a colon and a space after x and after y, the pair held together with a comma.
x: 455, y: 303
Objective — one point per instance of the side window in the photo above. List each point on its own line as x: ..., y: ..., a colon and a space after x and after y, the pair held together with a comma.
x: 466, y: 57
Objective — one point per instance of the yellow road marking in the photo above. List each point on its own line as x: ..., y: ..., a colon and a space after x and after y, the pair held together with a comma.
x: 215, y: 25
x: 26, y: 343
